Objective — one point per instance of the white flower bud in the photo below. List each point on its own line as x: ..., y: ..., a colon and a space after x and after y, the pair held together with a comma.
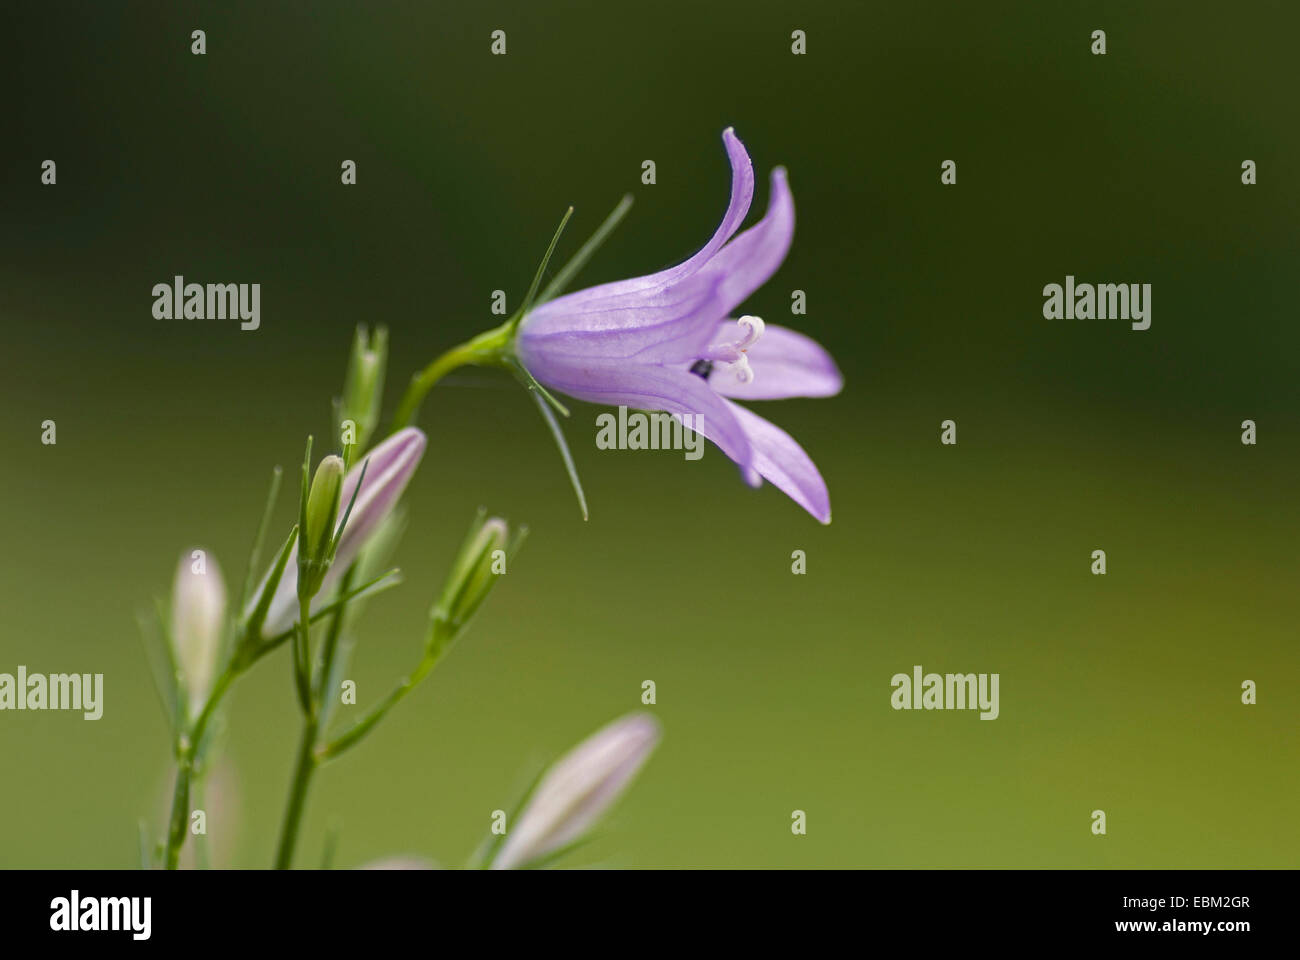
x: 198, y: 619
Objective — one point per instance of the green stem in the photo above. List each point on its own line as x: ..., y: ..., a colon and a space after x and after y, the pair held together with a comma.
x: 186, y: 754
x: 180, y: 810
x: 330, y: 647
x: 488, y: 348
x: 301, y: 644
x: 201, y: 859
x: 493, y: 347
x: 363, y: 726
x: 306, y: 766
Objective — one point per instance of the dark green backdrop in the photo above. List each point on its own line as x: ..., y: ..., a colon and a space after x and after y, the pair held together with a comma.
x: 1118, y: 692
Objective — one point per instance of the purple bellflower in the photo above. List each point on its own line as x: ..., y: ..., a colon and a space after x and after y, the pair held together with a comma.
x: 666, y: 342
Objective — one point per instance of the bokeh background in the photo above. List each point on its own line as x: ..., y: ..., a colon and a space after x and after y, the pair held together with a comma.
x: 1119, y: 692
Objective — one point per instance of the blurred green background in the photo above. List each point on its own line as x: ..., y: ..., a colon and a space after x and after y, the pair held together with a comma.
x: 1119, y: 692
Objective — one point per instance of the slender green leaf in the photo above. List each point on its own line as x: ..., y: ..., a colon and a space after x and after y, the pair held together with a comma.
x: 585, y: 253
x: 162, y: 666
x: 348, y: 512
x: 530, y: 382
x: 491, y: 845
x: 255, y: 556
x: 541, y: 269
x: 379, y: 584
x: 253, y: 626
x: 565, y: 455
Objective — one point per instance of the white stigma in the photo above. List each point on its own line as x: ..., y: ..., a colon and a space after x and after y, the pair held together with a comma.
x: 753, y: 327
x: 732, y: 355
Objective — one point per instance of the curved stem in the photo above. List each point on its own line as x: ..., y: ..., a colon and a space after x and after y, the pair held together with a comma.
x: 493, y: 346
x: 487, y: 348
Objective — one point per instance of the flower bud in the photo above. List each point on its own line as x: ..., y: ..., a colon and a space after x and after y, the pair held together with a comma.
x: 390, y: 467
x: 197, y: 620
x: 323, y: 508
x: 482, y: 559
x: 363, y: 387
x: 578, y: 789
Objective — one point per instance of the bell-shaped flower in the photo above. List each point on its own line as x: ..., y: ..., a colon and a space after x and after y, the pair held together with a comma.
x: 666, y: 342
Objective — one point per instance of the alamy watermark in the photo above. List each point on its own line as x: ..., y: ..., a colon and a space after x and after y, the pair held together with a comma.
x: 639, y: 430
x: 76, y: 913
x: 179, y: 300
x: 946, y: 691
x: 1104, y: 301
x: 55, y: 691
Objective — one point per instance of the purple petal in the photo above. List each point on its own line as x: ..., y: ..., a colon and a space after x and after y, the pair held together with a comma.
x: 547, y: 319
x: 645, y: 320
x: 785, y: 364
x: 671, y: 323
x: 783, y: 462
x: 647, y: 387
x: 747, y: 262
x: 390, y: 467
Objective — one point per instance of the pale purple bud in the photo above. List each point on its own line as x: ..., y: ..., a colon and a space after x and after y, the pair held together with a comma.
x: 390, y: 467
x: 578, y: 789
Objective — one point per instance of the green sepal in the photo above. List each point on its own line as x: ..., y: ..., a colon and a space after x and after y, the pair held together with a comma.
x: 347, y: 514
x: 570, y: 468
x: 585, y: 252
x: 252, y: 629
x: 363, y: 389
x: 533, y: 386
x: 482, y: 858
x: 547, y: 859
x: 527, y: 305
x: 379, y: 584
